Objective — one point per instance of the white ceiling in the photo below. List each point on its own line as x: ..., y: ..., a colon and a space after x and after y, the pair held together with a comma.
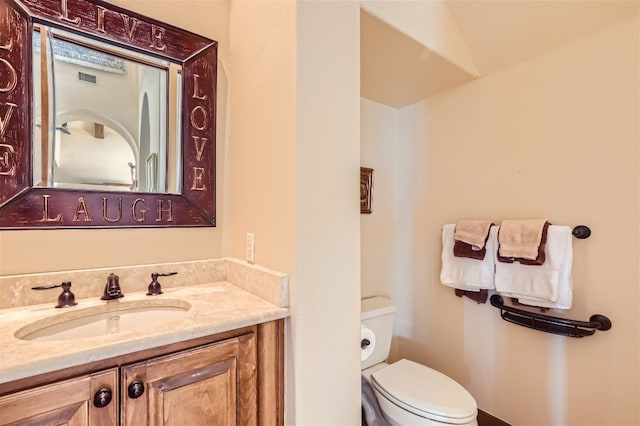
x: 397, y: 70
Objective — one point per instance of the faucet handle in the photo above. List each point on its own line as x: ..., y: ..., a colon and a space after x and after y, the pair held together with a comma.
x: 66, y: 298
x: 155, y: 288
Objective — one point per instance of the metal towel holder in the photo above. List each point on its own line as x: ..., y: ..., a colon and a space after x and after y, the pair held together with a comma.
x: 548, y: 323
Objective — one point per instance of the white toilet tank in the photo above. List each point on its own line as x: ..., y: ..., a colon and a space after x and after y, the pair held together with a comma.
x: 377, y: 313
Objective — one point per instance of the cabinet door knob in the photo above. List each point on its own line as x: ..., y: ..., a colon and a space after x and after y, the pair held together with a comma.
x: 135, y: 389
x: 102, y: 398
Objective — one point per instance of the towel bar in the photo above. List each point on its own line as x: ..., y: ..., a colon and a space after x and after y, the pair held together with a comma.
x: 555, y: 325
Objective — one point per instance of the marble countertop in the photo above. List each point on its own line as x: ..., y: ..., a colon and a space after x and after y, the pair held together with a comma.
x: 215, y: 307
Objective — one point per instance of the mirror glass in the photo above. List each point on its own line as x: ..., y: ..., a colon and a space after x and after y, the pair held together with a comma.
x: 105, y: 118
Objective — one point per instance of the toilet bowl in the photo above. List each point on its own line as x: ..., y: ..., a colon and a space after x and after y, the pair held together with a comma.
x: 412, y: 394
x: 408, y: 393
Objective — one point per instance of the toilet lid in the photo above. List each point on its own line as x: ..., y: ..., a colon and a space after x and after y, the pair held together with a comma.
x: 425, y: 392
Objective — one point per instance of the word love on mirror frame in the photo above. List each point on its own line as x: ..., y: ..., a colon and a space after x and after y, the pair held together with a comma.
x: 24, y: 205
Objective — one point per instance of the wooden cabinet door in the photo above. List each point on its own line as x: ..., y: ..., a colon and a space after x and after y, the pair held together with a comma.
x: 210, y: 385
x: 70, y: 402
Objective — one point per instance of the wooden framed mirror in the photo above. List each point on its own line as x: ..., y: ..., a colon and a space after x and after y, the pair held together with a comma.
x: 146, y: 160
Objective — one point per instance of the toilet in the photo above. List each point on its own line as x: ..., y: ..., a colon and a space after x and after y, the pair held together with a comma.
x: 407, y: 393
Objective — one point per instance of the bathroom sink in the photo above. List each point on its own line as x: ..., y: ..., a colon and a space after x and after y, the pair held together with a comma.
x: 108, y: 318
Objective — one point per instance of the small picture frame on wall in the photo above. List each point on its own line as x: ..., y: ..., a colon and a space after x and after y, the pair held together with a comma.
x: 366, y: 189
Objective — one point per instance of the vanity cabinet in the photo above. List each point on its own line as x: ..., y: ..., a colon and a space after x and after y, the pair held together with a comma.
x: 233, y: 378
x: 212, y: 385
x: 69, y: 402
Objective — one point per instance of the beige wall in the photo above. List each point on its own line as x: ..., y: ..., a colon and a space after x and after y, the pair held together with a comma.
x: 326, y: 321
x: 556, y: 137
x: 295, y: 145
x: 260, y: 163
x: 55, y: 250
x: 379, y: 239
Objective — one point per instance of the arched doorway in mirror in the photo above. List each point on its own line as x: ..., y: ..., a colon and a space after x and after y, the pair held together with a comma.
x: 93, y: 152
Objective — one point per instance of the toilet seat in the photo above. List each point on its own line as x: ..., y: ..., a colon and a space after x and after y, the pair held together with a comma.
x: 425, y: 392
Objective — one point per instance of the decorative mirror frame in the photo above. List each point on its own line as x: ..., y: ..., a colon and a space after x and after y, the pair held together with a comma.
x: 23, y: 206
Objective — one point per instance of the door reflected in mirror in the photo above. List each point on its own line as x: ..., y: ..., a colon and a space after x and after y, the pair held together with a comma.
x: 105, y: 118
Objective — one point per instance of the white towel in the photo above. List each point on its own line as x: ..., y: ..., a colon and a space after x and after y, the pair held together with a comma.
x: 548, y: 285
x: 465, y: 273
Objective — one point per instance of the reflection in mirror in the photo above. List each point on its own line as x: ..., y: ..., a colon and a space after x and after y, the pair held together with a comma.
x: 105, y: 118
x: 91, y: 155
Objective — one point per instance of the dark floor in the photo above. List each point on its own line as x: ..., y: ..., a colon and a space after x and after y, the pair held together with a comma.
x: 486, y: 419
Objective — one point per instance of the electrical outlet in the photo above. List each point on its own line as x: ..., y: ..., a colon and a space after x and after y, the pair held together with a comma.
x: 251, y: 247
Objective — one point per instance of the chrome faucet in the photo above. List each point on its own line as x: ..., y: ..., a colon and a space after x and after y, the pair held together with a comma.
x: 112, y: 289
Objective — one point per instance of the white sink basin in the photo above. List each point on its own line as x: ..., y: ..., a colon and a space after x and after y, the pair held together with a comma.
x: 108, y: 318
